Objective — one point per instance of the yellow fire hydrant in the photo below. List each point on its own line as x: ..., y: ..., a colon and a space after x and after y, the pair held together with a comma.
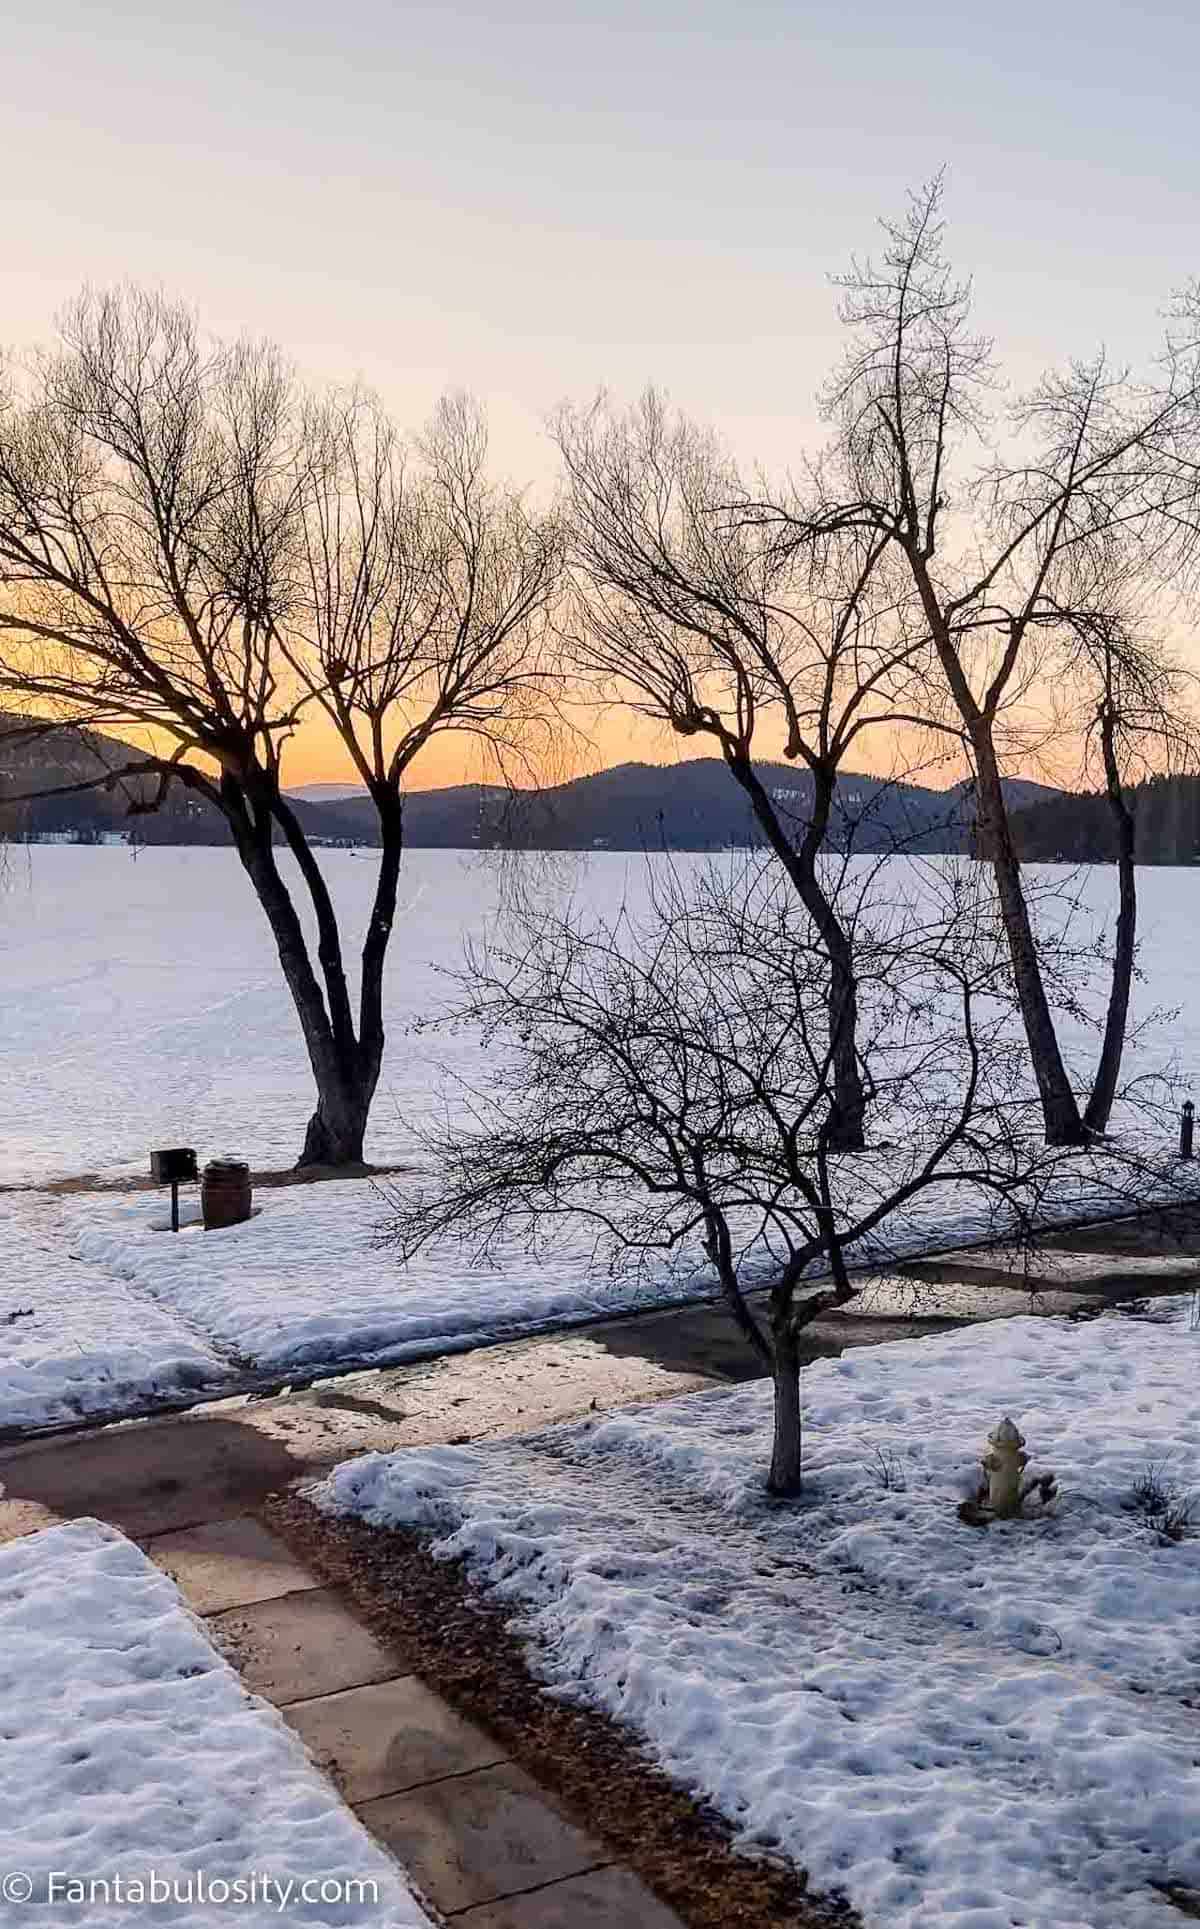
x: 1004, y: 1466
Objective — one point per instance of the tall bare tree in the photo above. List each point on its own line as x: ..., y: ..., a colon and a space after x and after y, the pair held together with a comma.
x: 1138, y: 719
x: 689, y: 613
x: 193, y: 547
x: 990, y: 514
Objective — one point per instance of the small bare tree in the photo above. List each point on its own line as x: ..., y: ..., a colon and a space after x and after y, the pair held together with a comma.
x: 665, y: 1079
x: 193, y: 548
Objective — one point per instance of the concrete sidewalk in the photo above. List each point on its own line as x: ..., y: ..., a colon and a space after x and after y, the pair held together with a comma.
x: 485, y: 1844
x: 482, y: 1841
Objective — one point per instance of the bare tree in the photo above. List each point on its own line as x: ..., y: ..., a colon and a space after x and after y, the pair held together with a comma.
x: 689, y: 613
x: 1138, y: 719
x: 666, y: 1080
x: 193, y: 547
x: 990, y: 518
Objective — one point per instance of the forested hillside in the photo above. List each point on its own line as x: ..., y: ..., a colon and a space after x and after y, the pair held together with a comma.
x: 1078, y: 829
x: 690, y: 806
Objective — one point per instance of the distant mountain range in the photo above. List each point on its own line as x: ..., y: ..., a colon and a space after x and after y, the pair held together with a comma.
x: 326, y: 793
x: 692, y: 806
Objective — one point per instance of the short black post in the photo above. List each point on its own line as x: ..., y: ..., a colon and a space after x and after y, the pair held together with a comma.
x: 1187, y: 1125
x: 168, y: 1166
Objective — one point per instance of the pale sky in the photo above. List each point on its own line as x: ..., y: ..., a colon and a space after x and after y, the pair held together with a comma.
x: 533, y: 200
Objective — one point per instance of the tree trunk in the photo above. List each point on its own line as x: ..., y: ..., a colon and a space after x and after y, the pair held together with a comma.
x: 847, y: 1114
x: 337, y: 1128
x: 786, y: 1475
x: 1060, y: 1109
x: 1108, y: 1071
x: 345, y: 1076
x: 378, y: 936
x: 847, y: 1118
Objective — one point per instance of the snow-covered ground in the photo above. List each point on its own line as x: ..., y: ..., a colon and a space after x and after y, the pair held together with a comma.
x: 957, y: 1726
x: 141, y: 1004
x: 304, y: 1281
x: 141, y: 1001
x: 75, y: 1339
x: 105, y: 1310
x: 133, y: 1756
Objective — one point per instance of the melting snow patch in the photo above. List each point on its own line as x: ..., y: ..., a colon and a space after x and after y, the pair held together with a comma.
x: 955, y: 1726
x: 132, y: 1749
x: 303, y: 1282
x: 74, y: 1339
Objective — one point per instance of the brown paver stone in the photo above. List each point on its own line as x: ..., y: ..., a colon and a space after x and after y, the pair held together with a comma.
x: 392, y: 1737
x: 606, y: 1899
x: 150, y: 1477
x: 478, y: 1837
x: 228, y: 1564
x: 301, y: 1645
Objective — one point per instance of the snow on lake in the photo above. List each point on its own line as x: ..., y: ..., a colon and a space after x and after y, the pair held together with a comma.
x: 132, y: 1754
x: 141, y: 1004
x: 141, y: 1001
x: 953, y: 1725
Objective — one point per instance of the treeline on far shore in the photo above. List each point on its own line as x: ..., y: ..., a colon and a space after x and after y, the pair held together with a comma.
x: 1078, y: 827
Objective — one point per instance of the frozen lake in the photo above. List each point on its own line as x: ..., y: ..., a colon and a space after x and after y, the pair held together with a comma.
x: 143, y: 1005
x: 141, y: 1002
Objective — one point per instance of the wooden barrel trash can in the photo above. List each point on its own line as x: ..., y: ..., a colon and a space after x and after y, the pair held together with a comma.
x: 225, y: 1193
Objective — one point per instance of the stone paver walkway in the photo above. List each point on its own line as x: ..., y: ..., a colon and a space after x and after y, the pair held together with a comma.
x: 483, y: 1842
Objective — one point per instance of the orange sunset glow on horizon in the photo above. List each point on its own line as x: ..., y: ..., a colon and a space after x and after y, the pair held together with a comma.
x: 602, y: 741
